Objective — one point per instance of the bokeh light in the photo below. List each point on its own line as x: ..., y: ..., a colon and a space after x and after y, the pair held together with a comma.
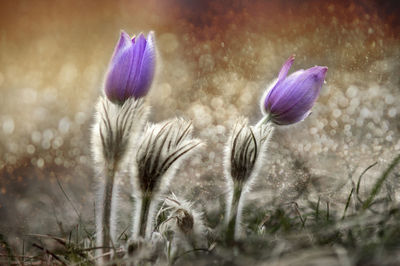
x: 215, y: 60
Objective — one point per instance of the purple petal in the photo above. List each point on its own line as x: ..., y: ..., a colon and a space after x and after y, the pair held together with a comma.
x: 286, y: 93
x: 124, y: 42
x: 134, y: 75
x: 290, y: 118
x: 147, y: 68
x: 274, y: 92
x: 302, y: 85
x: 131, y: 69
x: 285, y: 68
x: 292, y: 98
x: 281, y: 90
x: 119, y: 68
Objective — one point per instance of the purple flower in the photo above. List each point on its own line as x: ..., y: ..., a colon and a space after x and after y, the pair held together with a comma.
x: 291, y: 98
x: 131, y: 69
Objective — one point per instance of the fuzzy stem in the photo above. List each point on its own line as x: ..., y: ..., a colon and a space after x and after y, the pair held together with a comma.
x: 153, y: 209
x: 238, y: 224
x: 114, y: 208
x: 264, y: 120
x: 144, y: 213
x: 233, y: 223
x: 106, y: 212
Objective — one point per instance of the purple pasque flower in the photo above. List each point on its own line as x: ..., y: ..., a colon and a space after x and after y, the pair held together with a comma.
x: 291, y: 98
x: 131, y: 69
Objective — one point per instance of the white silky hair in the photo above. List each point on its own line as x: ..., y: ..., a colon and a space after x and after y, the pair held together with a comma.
x: 265, y: 93
x: 114, y: 132
x: 184, y: 238
x: 145, y: 252
x: 162, y: 149
x: 116, y: 129
x: 172, y: 205
x: 240, y: 135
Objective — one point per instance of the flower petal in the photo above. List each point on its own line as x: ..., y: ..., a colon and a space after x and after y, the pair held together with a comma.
x: 147, y: 68
x: 280, y: 90
x: 291, y: 98
x: 290, y: 118
x: 134, y: 75
x: 274, y: 92
x: 119, y: 68
x: 297, y: 88
x: 285, y: 68
x: 285, y: 93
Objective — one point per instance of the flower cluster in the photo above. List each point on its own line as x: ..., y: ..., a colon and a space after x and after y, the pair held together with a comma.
x: 150, y: 155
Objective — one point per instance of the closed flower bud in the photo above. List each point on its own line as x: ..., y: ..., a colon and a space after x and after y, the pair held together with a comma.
x: 131, y: 69
x: 245, y: 150
x: 291, y: 98
x: 161, y: 151
x: 244, y: 155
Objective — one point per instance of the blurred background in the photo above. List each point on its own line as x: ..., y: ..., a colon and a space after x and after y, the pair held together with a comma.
x: 215, y: 59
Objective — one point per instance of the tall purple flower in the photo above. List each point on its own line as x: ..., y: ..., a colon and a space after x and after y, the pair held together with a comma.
x: 131, y: 69
x: 291, y: 98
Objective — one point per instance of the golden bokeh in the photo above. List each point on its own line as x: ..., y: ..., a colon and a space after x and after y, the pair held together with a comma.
x: 215, y: 59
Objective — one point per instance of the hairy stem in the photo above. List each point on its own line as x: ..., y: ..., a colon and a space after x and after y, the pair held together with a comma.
x: 233, y: 223
x: 153, y: 209
x: 263, y: 121
x: 114, y: 209
x: 144, y: 213
x: 104, y: 220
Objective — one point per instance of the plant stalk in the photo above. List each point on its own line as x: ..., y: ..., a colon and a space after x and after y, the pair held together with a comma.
x: 234, y: 219
x: 144, y: 213
x: 263, y: 120
x: 106, y: 213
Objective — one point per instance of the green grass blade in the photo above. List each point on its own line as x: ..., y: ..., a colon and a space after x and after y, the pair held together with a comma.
x: 347, y: 203
x: 375, y: 190
x: 362, y: 174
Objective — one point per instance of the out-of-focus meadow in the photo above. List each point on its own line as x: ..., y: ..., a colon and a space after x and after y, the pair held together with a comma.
x: 215, y: 59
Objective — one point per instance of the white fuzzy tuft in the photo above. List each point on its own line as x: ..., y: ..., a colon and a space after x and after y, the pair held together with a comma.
x: 113, y: 137
x: 187, y: 223
x: 163, y: 147
x: 115, y: 130
x: 245, y: 153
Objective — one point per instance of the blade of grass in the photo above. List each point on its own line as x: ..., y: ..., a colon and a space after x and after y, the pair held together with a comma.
x: 347, y: 203
x: 69, y: 200
x: 58, y: 239
x: 359, y: 179
x: 296, y: 207
x: 375, y: 190
x: 49, y: 253
x: 123, y: 232
x: 327, y: 210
